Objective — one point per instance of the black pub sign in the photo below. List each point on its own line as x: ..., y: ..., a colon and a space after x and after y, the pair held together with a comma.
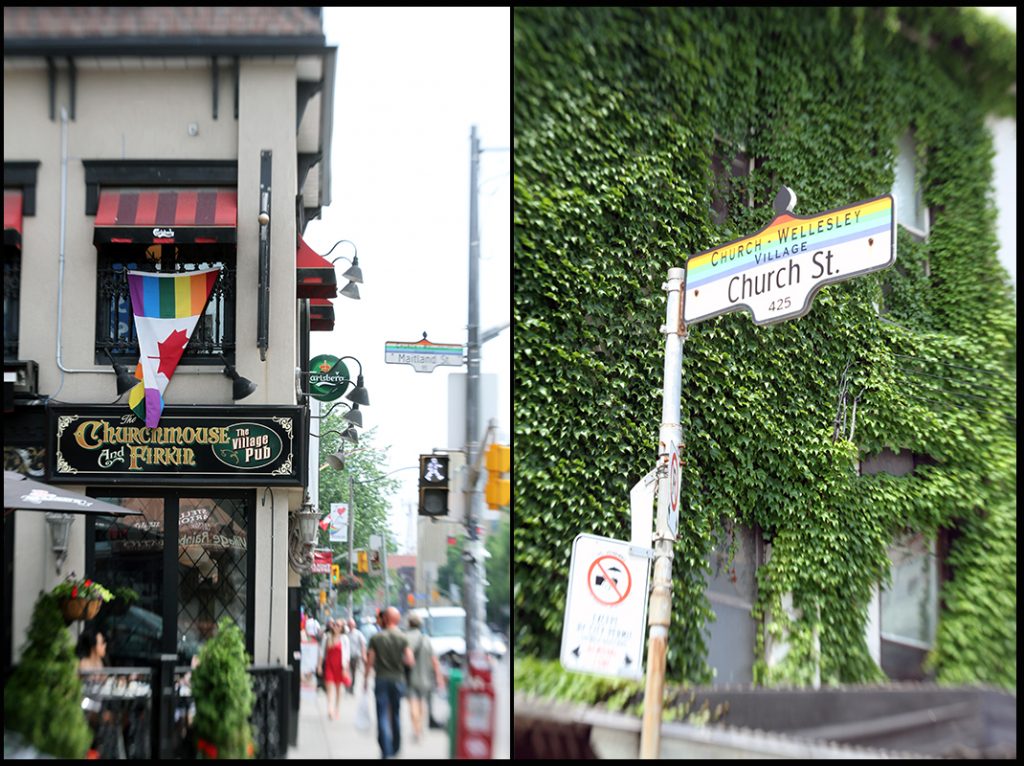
x: 201, y: 444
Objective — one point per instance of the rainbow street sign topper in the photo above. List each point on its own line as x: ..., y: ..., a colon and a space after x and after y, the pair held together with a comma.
x: 776, y: 271
x: 423, y: 355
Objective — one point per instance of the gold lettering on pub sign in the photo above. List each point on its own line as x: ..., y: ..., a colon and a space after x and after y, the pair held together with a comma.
x: 147, y: 446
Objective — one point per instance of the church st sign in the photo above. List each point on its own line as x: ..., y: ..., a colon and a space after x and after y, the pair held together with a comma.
x: 200, y: 444
x: 775, y: 272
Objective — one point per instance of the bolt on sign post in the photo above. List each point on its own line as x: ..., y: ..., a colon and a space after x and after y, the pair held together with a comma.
x: 774, y: 273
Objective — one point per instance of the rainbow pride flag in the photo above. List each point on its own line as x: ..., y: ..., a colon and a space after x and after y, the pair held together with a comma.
x: 166, y: 309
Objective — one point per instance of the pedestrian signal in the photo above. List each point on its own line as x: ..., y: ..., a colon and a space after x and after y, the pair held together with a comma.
x: 433, y: 485
x: 375, y: 566
x: 362, y: 561
x: 498, y: 491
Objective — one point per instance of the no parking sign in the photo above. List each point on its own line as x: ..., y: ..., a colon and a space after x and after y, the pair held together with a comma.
x: 606, y: 607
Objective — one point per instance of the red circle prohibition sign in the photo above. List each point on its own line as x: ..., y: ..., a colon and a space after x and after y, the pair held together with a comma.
x: 673, y: 487
x: 613, y: 572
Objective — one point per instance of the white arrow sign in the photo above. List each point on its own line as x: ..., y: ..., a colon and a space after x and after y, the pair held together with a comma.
x: 776, y: 271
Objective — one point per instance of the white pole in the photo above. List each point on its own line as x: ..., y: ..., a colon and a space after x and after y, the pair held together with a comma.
x: 670, y: 437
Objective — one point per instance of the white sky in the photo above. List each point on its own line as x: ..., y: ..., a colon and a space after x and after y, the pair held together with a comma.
x: 410, y: 84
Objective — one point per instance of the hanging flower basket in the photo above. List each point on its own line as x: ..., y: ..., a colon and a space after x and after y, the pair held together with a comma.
x: 349, y: 582
x: 80, y: 599
x: 80, y: 608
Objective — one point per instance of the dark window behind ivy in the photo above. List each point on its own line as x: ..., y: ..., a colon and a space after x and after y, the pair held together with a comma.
x: 729, y: 164
x: 115, y: 326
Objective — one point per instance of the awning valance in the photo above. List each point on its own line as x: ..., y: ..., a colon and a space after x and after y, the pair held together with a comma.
x: 12, y: 217
x: 169, y: 215
x: 321, y: 314
x: 316, y: 277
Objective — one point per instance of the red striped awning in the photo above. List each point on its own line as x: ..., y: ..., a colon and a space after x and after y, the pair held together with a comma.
x: 321, y: 314
x: 316, y: 277
x: 172, y: 215
x: 12, y: 217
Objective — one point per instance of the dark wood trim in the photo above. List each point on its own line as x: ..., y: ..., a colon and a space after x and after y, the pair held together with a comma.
x: 150, y: 46
x: 23, y: 174
x: 154, y: 173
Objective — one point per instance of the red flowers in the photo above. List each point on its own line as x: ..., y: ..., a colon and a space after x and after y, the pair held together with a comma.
x: 74, y: 591
x: 206, y: 748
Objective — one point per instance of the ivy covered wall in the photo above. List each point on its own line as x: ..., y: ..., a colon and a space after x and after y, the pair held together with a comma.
x: 616, y: 117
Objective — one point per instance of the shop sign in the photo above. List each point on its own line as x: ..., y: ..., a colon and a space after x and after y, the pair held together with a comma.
x: 199, y: 444
x: 328, y: 378
x: 322, y: 559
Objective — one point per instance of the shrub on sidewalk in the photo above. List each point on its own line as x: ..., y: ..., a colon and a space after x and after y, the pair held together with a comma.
x: 224, y: 697
x: 43, y: 698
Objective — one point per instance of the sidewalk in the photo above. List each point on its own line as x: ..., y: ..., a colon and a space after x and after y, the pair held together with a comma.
x: 319, y: 737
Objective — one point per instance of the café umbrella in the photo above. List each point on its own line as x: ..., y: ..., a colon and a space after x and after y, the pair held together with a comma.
x: 24, y: 494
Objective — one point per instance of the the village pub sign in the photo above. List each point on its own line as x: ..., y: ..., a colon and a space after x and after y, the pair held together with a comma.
x: 776, y: 271
x: 200, y: 444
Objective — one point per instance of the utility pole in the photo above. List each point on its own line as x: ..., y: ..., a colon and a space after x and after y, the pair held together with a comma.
x: 667, y: 525
x: 384, y: 563
x: 351, y: 536
x: 473, y: 577
x: 473, y: 596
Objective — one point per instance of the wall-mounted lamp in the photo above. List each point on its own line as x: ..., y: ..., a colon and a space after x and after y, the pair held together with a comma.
x: 353, y: 416
x: 125, y: 380
x: 354, y: 274
x: 302, y: 536
x: 358, y: 394
x: 60, y: 529
x: 337, y: 460
x: 241, y: 387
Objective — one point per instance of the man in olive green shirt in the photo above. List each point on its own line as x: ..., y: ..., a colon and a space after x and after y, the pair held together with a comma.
x: 388, y: 656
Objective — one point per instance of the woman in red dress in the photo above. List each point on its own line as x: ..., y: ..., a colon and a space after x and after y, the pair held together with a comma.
x: 333, y: 666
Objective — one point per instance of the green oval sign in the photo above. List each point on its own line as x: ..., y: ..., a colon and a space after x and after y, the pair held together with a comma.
x: 328, y: 378
x: 249, y: 445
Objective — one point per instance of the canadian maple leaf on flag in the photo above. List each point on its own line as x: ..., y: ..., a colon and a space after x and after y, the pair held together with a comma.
x: 166, y: 308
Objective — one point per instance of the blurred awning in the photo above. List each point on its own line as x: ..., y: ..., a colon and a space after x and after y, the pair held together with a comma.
x: 24, y: 494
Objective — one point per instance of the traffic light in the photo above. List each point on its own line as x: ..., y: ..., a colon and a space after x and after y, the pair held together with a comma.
x: 433, y: 485
x: 335, y: 574
x: 498, y: 489
x: 362, y: 561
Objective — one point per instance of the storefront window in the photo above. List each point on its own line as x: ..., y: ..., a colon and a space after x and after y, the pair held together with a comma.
x: 212, y: 571
x: 183, y: 588
x: 129, y: 552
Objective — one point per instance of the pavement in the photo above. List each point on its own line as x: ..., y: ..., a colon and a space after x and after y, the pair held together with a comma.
x: 320, y: 737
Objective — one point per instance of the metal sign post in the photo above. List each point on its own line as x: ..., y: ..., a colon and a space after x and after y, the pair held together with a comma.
x: 670, y: 437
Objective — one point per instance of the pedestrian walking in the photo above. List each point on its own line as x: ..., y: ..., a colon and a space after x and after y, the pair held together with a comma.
x: 334, y: 666
x: 357, y: 648
x: 423, y: 675
x: 388, y: 656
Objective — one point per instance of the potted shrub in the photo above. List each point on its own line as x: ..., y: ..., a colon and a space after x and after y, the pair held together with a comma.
x: 222, y: 689
x: 43, y: 698
x: 80, y: 599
